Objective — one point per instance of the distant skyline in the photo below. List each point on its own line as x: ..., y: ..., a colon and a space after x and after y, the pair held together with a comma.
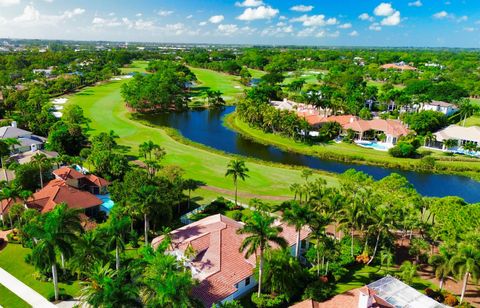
x: 396, y: 23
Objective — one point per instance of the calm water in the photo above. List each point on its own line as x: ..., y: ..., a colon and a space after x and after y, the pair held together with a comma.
x: 206, y: 127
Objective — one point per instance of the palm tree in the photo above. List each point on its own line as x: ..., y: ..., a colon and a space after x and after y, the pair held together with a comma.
x: 40, y: 160
x: 237, y: 170
x: 11, y: 142
x: 55, y: 232
x: 386, y: 259
x: 450, y: 143
x: 109, y: 288
x: 116, y: 233
x: 408, y: 271
x: 429, y: 138
x: 260, y: 233
x: 166, y: 282
x: 382, y: 224
x: 441, y: 265
x: 190, y: 185
x: 467, y: 109
x: 350, y: 217
x: 146, y: 198
x: 297, y: 216
x: 88, y: 250
x: 466, y: 263
x: 147, y: 148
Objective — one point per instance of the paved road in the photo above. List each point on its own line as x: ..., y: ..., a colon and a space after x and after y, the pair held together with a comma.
x: 23, y: 291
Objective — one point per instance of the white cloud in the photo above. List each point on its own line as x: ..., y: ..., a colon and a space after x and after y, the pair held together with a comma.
x: 324, y: 33
x: 384, y: 9
x: 392, y: 20
x: 249, y: 3
x: 164, y: 13
x: 302, y: 8
x: 469, y: 29
x: 375, y: 27
x: 441, y: 15
x: 31, y: 16
x: 345, y: 26
x: 99, y: 22
x: 138, y: 14
x: 227, y: 29
x: 261, y: 12
x: 203, y: 23
x: 315, y: 20
x: 353, y: 33
x: 417, y: 3
x: 189, y: 16
x: 306, y: 31
x: 9, y: 2
x: 365, y: 16
x: 462, y: 18
x: 216, y: 19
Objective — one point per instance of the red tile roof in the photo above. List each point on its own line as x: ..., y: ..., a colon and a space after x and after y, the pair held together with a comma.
x: 6, y: 204
x: 390, y: 127
x: 57, y: 191
x: 349, y: 299
x: 98, y: 181
x: 218, y: 263
x: 68, y: 173
x: 398, y: 67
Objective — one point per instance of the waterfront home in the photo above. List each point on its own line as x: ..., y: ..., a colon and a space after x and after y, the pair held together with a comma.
x: 27, y: 140
x: 399, y: 66
x: 387, y: 292
x: 462, y: 134
x: 89, y: 182
x: 210, y: 247
x: 439, y: 106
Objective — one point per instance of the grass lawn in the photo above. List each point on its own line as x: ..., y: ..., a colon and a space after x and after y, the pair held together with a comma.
x: 104, y: 106
x: 256, y: 73
x: 357, y: 153
x: 475, y: 101
x: 471, y: 121
x: 310, y: 77
x: 12, y: 260
x: 9, y: 299
x: 229, y: 85
x: 136, y: 66
x: 363, y: 275
x: 379, y: 85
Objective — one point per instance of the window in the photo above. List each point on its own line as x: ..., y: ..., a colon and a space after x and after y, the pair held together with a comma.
x: 303, y: 244
x: 247, y: 281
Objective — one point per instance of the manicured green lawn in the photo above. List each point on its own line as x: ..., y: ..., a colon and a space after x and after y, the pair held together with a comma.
x: 352, y: 151
x: 256, y: 73
x: 310, y: 76
x: 363, y: 275
x: 471, y: 121
x: 229, y: 85
x: 475, y: 101
x: 12, y: 260
x: 9, y: 299
x: 136, y: 66
x: 104, y: 106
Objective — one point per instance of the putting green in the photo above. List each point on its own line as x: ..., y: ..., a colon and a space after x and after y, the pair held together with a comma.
x: 104, y: 106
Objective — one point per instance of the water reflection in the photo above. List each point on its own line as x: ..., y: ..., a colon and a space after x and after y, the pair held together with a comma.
x: 206, y: 127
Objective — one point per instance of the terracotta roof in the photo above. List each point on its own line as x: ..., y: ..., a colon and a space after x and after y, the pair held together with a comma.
x: 98, y: 181
x: 6, y: 204
x: 398, y: 67
x: 390, y: 127
x: 57, y: 191
x: 218, y: 263
x: 349, y: 299
x: 68, y: 173
x: 341, y: 119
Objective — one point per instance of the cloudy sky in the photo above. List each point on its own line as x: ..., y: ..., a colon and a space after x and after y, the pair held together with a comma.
x: 450, y: 23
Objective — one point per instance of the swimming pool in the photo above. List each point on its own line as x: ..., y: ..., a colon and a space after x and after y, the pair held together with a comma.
x: 374, y: 145
x: 107, y: 203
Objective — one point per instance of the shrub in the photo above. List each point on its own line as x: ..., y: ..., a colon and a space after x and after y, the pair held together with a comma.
x: 236, y: 215
x: 451, y: 300
x: 62, y: 296
x: 403, y: 149
x: 319, y: 291
x: 427, y: 163
x: 267, y: 300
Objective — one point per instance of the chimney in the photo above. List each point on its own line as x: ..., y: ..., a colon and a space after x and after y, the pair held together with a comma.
x: 14, y: 124
x: 352, y: 119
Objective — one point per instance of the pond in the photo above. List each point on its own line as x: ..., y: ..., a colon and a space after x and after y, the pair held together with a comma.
x: 206, y: 127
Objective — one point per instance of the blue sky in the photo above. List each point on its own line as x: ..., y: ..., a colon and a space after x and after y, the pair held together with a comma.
x: 431, y: 23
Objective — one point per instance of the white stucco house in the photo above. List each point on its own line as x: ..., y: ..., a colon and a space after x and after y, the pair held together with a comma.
x: 210, y: 248
x: 439, y: 106
x: 460, y: 133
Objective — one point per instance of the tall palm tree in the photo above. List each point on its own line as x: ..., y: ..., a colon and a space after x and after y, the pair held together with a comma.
x: 116, y: 232
x: 146, y: 197
x: 109, y: 288
x: 297, y: 216
x: 382, y: 224
x: 350, y: 217
x: 190, y: 185
x: 41, y: 161
x: 260, y: 234
x: 441, y: 265
x: 428, y: 138
x: 89, y: 249
x: 466, y: 263
x: 55, y: 233
x: 408, y: 271
x: 166, y: 283
x: 467, y: 109
x: 237, y: 170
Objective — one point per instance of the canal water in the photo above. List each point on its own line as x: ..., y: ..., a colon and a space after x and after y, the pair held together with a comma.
x: 206, y: 127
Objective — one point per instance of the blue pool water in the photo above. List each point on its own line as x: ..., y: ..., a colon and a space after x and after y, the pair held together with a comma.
x: 107, y: 203
x: 373, y: 145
